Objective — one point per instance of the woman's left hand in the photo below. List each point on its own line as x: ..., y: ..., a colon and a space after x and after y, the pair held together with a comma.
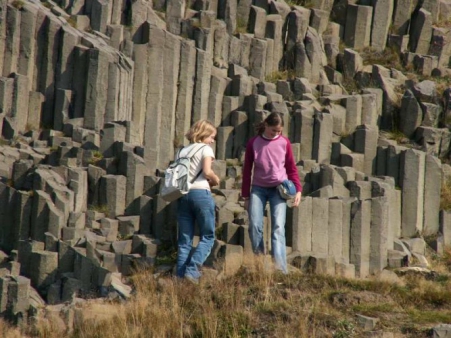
x: 297, y: 199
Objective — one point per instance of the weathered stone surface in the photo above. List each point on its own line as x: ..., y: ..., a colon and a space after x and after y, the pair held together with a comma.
x: 382, y: 18
x: 366, y: 143
x: 432, y: 191
x: 113, y: 193
x: 410, y: 114
x: 320, y: 225
x: 421, y: 31
x: 257, y: 58
x: 322, y: 142
x: 201, y: 85
x: 412, y: 164
x: 360, y: 237
x: 302, y: 226
x: 358, y: 26
x: 379, y: 233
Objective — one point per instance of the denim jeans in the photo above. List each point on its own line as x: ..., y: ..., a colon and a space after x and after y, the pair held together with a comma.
x: 278, y: 207
x: 196, y: 207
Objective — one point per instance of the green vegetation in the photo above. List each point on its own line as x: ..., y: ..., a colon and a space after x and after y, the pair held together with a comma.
x: 96, y: 156
x: 241, y: 26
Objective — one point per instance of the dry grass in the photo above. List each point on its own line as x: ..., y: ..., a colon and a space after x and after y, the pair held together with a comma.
x: 445, y: 196
x: 95, y: 157
x: 241, y: 26
x: 397, y: 136
x: 18, y: 4
x: 6, y: 330
x: 302, y: 3
x: 443, y: 22
x: 261, y: 303
x: 102, y: 208
x: 388, y: 58
x: 285, y: 75
x: 350, y: 86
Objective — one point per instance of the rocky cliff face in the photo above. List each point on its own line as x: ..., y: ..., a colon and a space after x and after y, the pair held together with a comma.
x: 95, y: 97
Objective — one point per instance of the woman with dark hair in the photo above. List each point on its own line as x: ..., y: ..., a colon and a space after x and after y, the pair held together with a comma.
x: 268, y: 162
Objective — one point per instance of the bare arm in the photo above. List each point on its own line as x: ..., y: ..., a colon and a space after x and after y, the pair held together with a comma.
x: 209, y: 174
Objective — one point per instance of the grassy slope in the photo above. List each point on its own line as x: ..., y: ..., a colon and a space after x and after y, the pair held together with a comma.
x: 265, y: 304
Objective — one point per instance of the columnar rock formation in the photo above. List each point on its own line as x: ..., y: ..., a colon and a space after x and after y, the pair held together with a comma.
x: 95, y: 97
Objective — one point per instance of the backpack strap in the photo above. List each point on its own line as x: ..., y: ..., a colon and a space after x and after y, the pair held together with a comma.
x: 190, y: 156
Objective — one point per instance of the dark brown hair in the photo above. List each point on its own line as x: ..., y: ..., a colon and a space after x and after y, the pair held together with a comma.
x: 272, y: 120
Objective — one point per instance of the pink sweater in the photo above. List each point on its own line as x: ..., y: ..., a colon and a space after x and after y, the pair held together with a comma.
x: 272, y: 161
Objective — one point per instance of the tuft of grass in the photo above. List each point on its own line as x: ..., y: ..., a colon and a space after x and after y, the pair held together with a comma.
x: 396, y: 135
x: 388, y: 58
x: 18, y: 4
x: 72, y: 21
x: 285, y: 75
x: 445, y: 196
x: 46, y: 4
x: 102, y: 208
x: 95, y: 157
x: 344, y: 329
x: 302, y: 3
x: 350, y: 86
x: 241, y: 26
x: 443, y: 21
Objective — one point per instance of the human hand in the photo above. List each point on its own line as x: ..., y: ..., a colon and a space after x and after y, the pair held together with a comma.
x: 246, y: 204
x: 297, y: 199
x: 213, y: 181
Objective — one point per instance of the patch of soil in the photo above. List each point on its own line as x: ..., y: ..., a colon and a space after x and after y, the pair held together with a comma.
x: 358, y: 297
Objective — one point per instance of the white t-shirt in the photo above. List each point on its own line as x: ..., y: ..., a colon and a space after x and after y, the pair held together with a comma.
x: 196, y: 163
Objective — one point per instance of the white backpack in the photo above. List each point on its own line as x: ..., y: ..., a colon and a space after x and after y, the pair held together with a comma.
x: 177, y: 180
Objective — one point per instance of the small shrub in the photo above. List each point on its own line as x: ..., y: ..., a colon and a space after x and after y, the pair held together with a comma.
x: 445, y: 196
x: 443, y: 21
x: 18, y: 4
x: 344, y: 329
x: 281, y: 75
x: 302, y: 3
x: 241, y: 26
x: 71, y: 21
x: 396, y: 135
x: 350, y: 86
x: 388, y: 58
x: 96, y: 157
x: 46, y: 4
x: 102, y: 208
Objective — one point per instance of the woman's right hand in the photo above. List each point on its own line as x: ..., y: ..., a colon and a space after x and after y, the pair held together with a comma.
x: 246, y: 205
x: 213, y: 181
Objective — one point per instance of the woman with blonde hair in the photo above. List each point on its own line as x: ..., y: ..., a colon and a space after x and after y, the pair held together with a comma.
x: 197, y: 206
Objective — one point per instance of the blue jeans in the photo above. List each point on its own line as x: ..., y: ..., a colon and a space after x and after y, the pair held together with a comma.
x: 278, y: 207
x: 196, y: 207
